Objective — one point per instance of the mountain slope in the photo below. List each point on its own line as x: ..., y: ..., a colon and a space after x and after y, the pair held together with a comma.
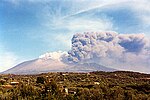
x: 50, y: 65
x: 36, y: 66
x: 87, y: 67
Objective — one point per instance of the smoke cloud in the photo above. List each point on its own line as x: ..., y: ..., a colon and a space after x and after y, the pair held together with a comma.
x: 54, y: 55
x: 121, y: 51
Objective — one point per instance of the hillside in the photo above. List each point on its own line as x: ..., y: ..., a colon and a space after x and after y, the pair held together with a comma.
x: 38, y: 66
x: 99, y: 85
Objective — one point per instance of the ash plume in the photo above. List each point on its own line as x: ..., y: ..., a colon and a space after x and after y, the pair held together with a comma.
x: 122, y: 51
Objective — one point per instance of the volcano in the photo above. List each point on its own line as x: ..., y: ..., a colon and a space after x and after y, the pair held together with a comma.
x: 48, y: 64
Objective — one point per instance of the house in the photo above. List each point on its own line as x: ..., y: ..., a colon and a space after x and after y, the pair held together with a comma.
x: 68, y: 91
x: 65, y: 74
x: 14, y: 83
x: 72, y: 92
x: 65, y: 90
x: 97, y: 83
x: 7, y: 86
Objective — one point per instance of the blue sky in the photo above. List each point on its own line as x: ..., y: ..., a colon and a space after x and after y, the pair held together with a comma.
x: 29, y: 28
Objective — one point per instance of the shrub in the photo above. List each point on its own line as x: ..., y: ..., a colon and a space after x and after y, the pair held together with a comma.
x: 40, y: 80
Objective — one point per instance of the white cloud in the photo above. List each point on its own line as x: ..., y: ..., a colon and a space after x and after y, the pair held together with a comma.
x: 14, y: 2
x: 82, y: 24
x: 7, y: 59
x: 142, y: 9
x: 86, y: 5
x: 54, y: 55
x: 64, y: 16
x: 59, y: 20
x: 64, y: 39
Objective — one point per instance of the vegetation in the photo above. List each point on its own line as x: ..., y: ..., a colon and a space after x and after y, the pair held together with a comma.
x: 119, y: 85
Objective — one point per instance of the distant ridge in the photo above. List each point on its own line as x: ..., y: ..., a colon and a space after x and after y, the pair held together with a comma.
x: 38, y: 66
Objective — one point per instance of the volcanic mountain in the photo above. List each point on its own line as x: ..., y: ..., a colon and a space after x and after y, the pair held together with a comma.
x: 47, y: 63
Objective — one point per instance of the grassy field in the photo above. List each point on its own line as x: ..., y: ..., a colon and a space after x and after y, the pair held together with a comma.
x: 119, y: 85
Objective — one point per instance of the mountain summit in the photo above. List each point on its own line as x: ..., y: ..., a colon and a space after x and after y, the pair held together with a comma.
x: 53, y: 62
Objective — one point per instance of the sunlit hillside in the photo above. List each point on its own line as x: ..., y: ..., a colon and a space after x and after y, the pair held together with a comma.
x: 117, y: 85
